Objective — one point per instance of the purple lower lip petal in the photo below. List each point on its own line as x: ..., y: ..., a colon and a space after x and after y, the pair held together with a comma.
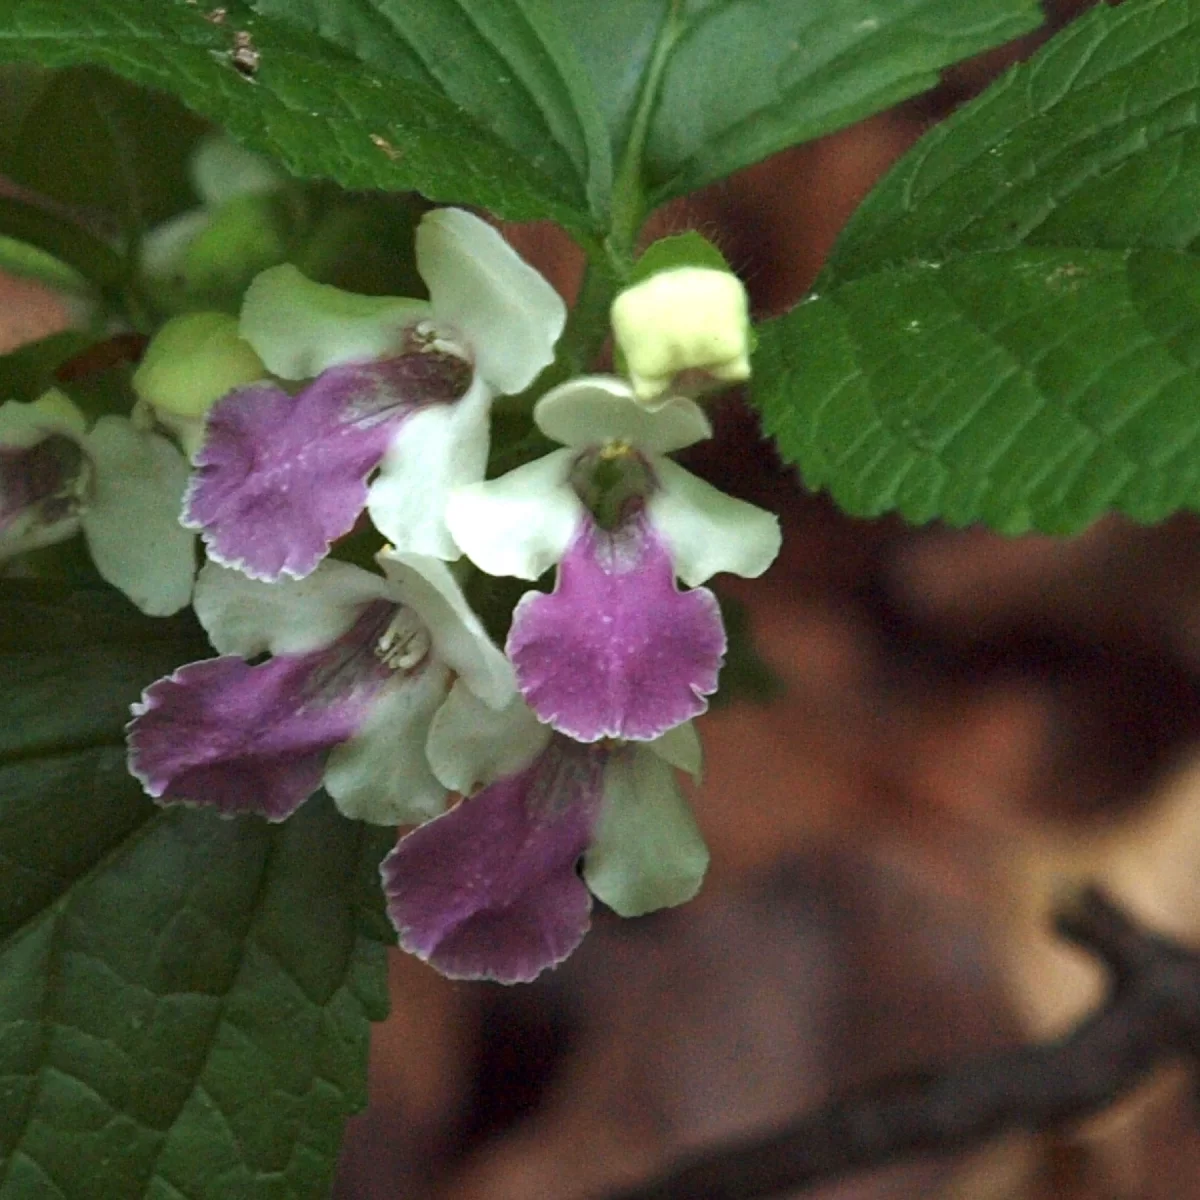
x: 279, y: 477
x: 617, y: 650
x: 490, y: 890
x: 253, y: 739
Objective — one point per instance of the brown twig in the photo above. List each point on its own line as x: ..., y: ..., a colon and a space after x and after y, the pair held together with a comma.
x: 1151, y: 1015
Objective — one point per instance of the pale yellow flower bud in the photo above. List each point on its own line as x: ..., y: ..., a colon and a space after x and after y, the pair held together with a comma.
x: 193, y: 361
x: 692, y: 320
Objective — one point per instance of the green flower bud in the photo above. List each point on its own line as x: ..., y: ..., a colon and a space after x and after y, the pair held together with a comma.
x: 192, y: 361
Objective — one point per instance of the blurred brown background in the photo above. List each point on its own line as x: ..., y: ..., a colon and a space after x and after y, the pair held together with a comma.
x: 964, y: 725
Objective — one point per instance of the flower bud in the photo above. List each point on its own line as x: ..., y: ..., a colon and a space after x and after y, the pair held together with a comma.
x: 194, y: 360
x: 191, y: 362
x: 689, y: 320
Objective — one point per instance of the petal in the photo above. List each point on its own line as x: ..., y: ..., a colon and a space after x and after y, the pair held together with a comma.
x: 293, y: 616
x: 616, y: 650
x: 459, y: 640
x: 595, y: 409
x: 253, y: 739
x: 489, y: 891
x: 23, y: 425
x: 708, y: 531
x: 439, y: 448
x: 482, y: 288
x: 647, y: 852
x: 300, y: 328
x: 471, y: 744
x: 381, y: 774
x: 681, y: 748
x: 521, y: 523
x: 279, y: 478
x: 132, y: 520
x: 44, y: 472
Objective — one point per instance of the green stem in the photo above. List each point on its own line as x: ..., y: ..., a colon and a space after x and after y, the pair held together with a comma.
x: 609, y: 264
x: 629, y: 195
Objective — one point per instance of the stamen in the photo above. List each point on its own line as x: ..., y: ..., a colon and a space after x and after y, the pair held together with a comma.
x: 405, y: 643
x: 426, y: 338
x: 617, y: 449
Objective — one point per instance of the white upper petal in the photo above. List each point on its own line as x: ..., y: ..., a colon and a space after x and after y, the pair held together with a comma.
x: 435, y: 450
x: 708, y: 531
x: 132, y: 520
x: 426, y: 586
x: 680, y: 746
x: 381, y: 774
x: 293, y: 616
x: 647, y: 852
x: 521, y: 523
x: 480, y: 286
x: 594, y: 409
x: 300, y: 328
x: 24, y: 425
x: 470, y: 745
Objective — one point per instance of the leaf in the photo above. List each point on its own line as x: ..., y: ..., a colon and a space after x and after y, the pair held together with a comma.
x: 745, y: 78
x: 364, y: 92
x: 100, y: 146
x: 184, y: 1001
x: 1007, y: 331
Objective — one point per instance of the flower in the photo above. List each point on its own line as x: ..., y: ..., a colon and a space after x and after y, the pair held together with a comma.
x: 120, y: 485
x: 690, y: 321
x: 490, y: 889
x: 616, y: 650
x: 360, y: 664
x: 402, y: 385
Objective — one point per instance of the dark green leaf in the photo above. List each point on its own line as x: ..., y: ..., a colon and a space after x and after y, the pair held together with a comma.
x: 745, y: 78
x: 477, y: 101
x: 1031, y: 389
x: 29, y: 370
x: 1007, y: 330
x: 183, y: 1000
x: 103, y: 147
x: 59, y: 234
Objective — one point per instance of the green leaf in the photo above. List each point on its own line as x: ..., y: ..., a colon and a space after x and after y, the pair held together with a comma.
x: 184, y: 1001
x: 477, y: 101
x: 1009, y: 329
x: 744, y: 78
x: 59, y: 235
x: 1030, y: 389
x: 29, y: 370
x: 104, y: 148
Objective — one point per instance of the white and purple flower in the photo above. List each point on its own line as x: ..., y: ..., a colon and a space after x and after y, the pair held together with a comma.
x: 404, y: 386
x: 120, y: 485
x: 490, y: 890
x: 360, y: 664
x: 617, y: 650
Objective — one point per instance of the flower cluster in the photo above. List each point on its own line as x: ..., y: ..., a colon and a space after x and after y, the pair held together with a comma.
x: 320, y: 413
